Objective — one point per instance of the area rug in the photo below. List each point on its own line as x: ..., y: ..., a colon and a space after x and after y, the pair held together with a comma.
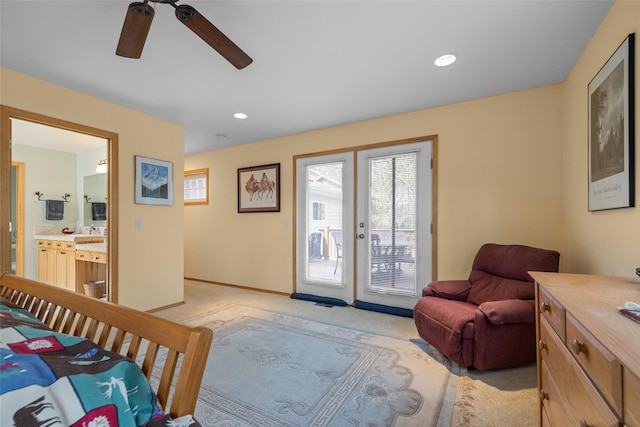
x: 270, y: 369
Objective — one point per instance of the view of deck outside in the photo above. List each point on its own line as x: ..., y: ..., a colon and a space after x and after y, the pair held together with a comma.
x: 391, y: 217
x: 324, y: 263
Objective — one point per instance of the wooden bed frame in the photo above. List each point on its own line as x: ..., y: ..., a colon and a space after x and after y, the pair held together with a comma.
x: 123, y: 330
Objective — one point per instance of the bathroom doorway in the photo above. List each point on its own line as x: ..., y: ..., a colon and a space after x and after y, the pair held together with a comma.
x: 12, y: 212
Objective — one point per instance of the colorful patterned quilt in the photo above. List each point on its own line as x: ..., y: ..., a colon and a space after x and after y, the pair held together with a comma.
x: 52, y: 379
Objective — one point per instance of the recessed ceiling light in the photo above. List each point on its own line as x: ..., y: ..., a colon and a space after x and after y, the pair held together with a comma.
x: 446, y: 59
x: 240, y: 116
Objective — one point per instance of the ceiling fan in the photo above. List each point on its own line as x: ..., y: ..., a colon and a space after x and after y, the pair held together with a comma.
x: 138, y: 21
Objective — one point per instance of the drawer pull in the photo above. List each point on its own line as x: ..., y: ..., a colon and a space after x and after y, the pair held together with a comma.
x: 542, y: 345
x: 543, y: 395
x: 578, y: 347
x: 544, y: 307
x: 584, y: 423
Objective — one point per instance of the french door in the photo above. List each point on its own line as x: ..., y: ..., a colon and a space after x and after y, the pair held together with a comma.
x: 324, y: 226
x: 394, y: 224
x: 363, y: 224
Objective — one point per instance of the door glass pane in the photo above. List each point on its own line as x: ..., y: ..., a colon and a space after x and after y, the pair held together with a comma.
x: 324, y: 222
x: 393, y: 213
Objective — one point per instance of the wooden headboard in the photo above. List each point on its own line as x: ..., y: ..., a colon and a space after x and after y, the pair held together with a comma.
x: 123, y: 330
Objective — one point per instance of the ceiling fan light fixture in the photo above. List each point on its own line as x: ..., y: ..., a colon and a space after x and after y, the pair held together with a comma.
x: 446, y: 59
x: 134, y: 30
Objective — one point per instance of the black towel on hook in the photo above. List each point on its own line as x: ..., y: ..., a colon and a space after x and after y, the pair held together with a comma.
x: 55, y: 210
x: 98, y: 211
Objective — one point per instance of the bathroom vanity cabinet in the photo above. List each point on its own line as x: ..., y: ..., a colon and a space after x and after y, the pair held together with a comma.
x: 91, y: 264
x: 69, y: 261
x: 57, y: 263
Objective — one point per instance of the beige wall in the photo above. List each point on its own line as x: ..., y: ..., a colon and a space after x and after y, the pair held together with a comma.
x: 512, y: 169
x: 52, y: 173
x: 499, y: 181
x: 604, y: 242
x: 150, y: 260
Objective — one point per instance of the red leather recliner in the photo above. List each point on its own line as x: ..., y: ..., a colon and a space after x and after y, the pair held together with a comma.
x: 488, y: 320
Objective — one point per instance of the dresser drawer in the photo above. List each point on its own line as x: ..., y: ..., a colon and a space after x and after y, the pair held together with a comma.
x: 545, y: 422
x: 99, y: 257
x: 549, y: 349
x: 553, y: 410
x: 46, y: 244
x: 56, y: 244
x: 631, y: 387
x: 583, y: 404
x: 553, y: 311
x: 597, y: 362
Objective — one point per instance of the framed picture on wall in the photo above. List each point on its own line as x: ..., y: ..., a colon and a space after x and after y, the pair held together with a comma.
x: 259, y: 188
x: 611, y: 132
x: 153, y: 181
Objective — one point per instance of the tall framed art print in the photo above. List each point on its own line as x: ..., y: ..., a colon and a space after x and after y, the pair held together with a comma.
x: 611, y: 132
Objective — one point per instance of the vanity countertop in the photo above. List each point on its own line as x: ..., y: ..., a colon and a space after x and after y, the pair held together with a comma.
x: 77, y: 238
x: 95, y: 247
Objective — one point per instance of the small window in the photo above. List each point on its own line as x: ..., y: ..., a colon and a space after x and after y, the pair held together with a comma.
x: 318, y: 211
x: 196, y: 187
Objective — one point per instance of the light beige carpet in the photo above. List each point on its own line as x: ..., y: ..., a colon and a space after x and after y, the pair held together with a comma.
x: 473, y: 398
x: 506, y: 397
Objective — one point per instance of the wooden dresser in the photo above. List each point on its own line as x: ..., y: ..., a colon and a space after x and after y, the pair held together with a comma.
x: 588, y: 353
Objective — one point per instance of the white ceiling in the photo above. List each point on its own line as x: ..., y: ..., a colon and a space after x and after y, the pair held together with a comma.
x: 316, y: 63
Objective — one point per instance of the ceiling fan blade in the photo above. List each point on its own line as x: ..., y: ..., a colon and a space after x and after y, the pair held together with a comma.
x: 134, y: 30
x: 212, y: 36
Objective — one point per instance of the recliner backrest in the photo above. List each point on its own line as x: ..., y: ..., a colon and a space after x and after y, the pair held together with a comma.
x: 514, y: 261
x: 500, y: 272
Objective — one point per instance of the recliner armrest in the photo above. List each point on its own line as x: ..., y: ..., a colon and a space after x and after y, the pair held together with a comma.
x: 448, y: 289
x: 508, y: 311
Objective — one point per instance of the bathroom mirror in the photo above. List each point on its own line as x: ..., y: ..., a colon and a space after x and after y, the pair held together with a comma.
x: 95, y: 200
